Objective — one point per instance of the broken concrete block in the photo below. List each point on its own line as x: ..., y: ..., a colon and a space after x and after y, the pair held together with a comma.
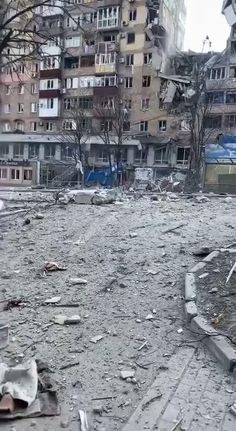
x: 39, y: 216
x: 78, y: 281
x: 72, y: 320
x: 127, y: 374
x: 133, y: 235
x: 96, y: 338
x: 4, y: 335
x: 53, y: 300
x: 59, y: 319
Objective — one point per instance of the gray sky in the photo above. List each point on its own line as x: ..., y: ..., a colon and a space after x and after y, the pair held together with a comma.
x: 204, y: 18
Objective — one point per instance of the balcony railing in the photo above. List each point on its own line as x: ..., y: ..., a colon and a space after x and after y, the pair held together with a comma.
x: 106, y: 47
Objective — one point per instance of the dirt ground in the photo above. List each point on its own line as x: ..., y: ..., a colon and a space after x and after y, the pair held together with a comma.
x: 133, y: 297
x: 216, y: 297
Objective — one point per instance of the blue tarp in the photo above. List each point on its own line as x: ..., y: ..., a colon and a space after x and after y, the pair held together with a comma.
x: 102, y: 176
x: 224, y: 152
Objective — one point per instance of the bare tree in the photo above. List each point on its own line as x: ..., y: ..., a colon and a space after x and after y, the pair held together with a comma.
x: 22, y: 37
x: 196, y: 107
x: 75, y: 132
x: 113, y: 128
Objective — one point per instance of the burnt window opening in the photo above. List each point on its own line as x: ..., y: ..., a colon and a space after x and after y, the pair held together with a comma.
x: 130, y: 38
x: 146, y: 81
x: 215, y: 97
x: 183, y: 154
x: 213, y: 122
x: 126, y: 126
x: 71, y: 63
x: 233, y: 47
x: 87, y: 61
x: 231, y: 97
x: 232, y: 72
x: 230, y: 121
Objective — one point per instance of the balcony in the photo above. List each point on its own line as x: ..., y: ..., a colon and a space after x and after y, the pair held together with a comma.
x: 106, y: 47
x: 49, y: 93
x: 50, y: 73
x: 105, y: 63
x: 108, y: 18
x: 107, y: 3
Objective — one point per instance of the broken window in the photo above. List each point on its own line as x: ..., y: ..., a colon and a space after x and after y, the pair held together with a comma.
x: 145, y: 103
x: 15, y: 174
x: 107, y: 103
x: 213, y: 122
x: 143, y: 126
x: 109, y: 37
x: 215, y: 97
x: 162, y: 125
x: 130, y: 38
x: 132, y: 15
x: 86, y: 103
x: 27, y: 174
x: 3, y: 173
x: 218, y: 73
x: 101, y: 155
x: 233, y: 47
x: 129, y: 60
x: 147, y: 58
x: 71, y: 63
x: 183, y: 154
x: 231, y: 97
x: 230, y: 121
x: 18, y: 151
x: 106, y: 126
x: 160, y: 156
x: 127, y: 103
x: 87, y: 61
x: 128, y: 82
x: 126, y: 126
x: 49, y: 151
x: 140, y: 156
x: 232, y: 72
x: 146, y: 81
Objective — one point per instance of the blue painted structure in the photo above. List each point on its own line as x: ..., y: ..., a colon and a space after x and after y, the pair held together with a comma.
x: 222, y: 153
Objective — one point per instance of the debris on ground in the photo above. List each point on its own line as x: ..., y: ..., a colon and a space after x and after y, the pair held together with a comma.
x: 92, y: 197
x: 2, y: 206
x: 97, y: 338
x: 232, y: 409
x: 173, y: 229
x: 25, y: 392
x: 53, y: 300
x: 83, y: 420
x: 149, y: 317
x: 78, y: 281
x: 203, y: 275
x: 39, y: 216
x: 61, y: 319
x: 26, y: 222
x: 54, y: 266
x: 133, y: 235
x: 202, y: 199
x: 231, y: 272
x: 4, y: 335
x: 203, y: 251
x: 127, y: 374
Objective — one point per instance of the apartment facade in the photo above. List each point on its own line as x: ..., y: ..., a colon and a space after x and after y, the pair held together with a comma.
x: 97, y: 52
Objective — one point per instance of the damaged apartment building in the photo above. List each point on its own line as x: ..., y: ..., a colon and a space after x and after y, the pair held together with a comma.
x: 98, y: 52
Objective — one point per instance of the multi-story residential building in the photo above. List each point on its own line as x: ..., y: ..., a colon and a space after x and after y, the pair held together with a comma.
x: 97, y: 52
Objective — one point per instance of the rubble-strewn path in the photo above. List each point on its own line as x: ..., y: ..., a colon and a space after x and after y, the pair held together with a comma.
x: 134, y: 299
